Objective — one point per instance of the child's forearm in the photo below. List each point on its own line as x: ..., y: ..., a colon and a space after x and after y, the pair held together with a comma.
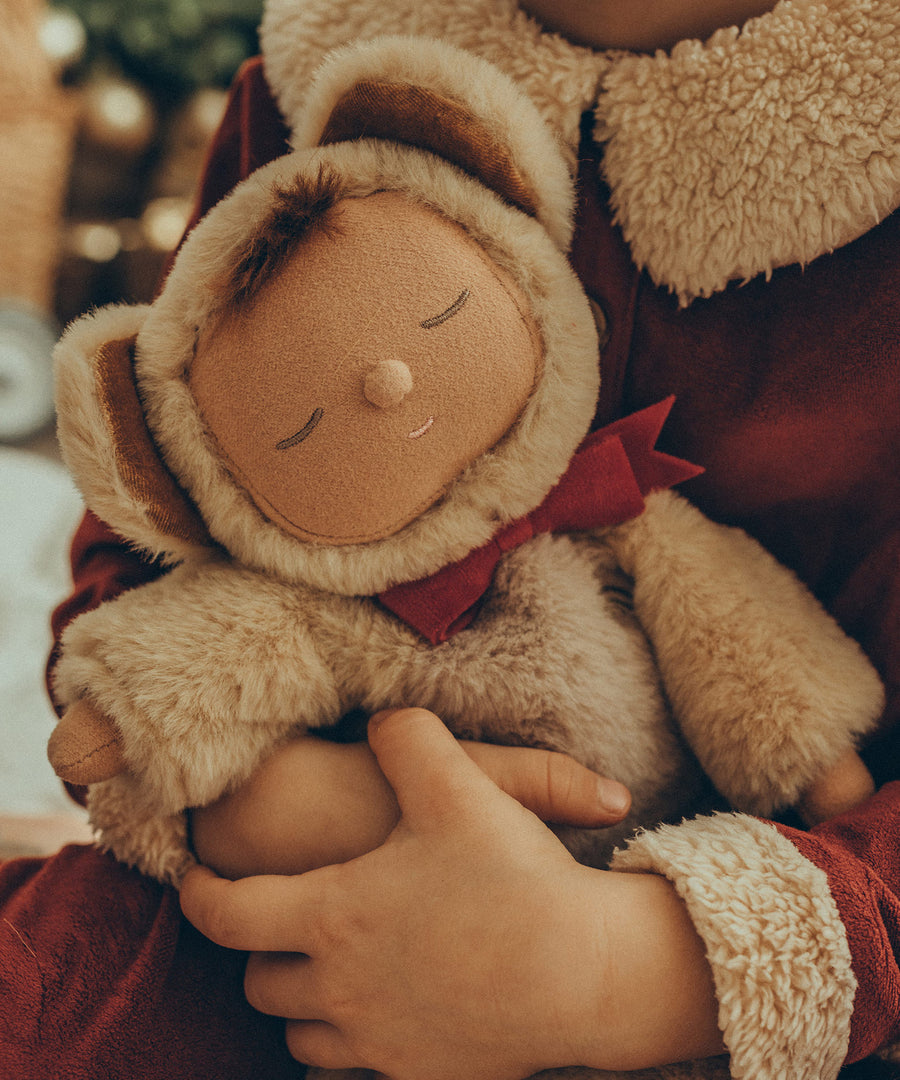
x: 662, y: 1000
x: 642, y: 25
x: 311, y: 803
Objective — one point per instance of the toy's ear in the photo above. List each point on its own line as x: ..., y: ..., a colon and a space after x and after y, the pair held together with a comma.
x: 432, y: 96
x: 418, y: 116
x: 106, y: 443
x: 140, y: 467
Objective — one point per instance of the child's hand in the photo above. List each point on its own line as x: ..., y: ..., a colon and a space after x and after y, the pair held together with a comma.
x: 313, y: 803
x: 845, y: 785
x: 469, y: 944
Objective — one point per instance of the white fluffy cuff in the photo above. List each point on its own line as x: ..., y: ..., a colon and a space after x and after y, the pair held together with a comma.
x: 773, y: 936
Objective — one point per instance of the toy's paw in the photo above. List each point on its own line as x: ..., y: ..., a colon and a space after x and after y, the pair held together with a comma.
x: 86, y: 746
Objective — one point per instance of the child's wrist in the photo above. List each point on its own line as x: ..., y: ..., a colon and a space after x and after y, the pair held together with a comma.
x: 654, y: 998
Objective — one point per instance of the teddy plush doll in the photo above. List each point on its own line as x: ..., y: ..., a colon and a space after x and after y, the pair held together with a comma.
x: 355, y: 427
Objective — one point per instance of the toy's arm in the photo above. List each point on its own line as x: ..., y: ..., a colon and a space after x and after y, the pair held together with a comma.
x: 769, y: 692
x: 197, y: 674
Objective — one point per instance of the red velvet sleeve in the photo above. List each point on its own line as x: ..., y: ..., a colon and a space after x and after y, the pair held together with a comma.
x: 860, y: 853
x: 252, y: 133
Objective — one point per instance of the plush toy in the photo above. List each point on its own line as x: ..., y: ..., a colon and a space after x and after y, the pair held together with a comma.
x: 355, y: 426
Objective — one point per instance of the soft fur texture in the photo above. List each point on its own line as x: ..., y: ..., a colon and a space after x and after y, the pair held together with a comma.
x: 494, y: 104
x: 505, y: 484
x: 231, y: 661
x: 804, y: 97
x: 207, y: 668
x: 510, y: 481
x: 737, y: 641
x: 802, y: 104
x: 560, y: 78
x: 86, y: 438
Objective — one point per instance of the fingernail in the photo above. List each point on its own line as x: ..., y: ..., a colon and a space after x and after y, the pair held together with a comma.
x: 614, y: 797
x: 377, y: 719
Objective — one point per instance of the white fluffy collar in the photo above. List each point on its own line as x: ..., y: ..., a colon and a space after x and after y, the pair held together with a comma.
x: 758, y: 148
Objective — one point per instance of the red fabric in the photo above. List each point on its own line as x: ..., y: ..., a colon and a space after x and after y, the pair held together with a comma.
x: 252, y: 133
x: 101, y: 979
x: 788, y: 391
x: 605, y: 484
x: 858, y: 852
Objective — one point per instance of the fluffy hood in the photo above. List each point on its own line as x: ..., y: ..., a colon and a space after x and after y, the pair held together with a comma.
x: 561, y: 79
x: 529, y: 244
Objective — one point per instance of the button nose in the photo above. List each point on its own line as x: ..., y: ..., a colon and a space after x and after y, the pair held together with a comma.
x: 387, y: 383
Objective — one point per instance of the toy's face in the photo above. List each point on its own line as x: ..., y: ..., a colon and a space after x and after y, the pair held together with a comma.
x: 387, y: 355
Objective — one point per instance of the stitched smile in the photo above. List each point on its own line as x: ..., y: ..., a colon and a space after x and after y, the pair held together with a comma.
x: 419, y: 432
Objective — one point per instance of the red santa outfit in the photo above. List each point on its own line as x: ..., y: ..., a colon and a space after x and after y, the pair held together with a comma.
x: 737, y: 231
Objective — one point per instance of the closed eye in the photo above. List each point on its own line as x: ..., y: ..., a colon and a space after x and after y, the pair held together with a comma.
x: 303, y: 433
x: 436, y: 320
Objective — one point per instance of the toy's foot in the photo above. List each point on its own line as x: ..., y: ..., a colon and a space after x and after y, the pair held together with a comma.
x: 86, y: 746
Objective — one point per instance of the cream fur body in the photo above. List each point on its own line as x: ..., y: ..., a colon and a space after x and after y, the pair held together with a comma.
x: 210, y: 667
x: 205, y: 670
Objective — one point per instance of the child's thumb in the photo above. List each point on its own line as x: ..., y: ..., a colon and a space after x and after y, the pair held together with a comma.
x: 430, y: 773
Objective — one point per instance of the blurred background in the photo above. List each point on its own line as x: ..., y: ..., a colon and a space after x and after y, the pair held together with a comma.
x: 107, y: 108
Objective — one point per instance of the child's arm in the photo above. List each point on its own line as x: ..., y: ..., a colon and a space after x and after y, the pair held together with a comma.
x: 642, y: 25
x: 313, y: 803
x: 469, y: 897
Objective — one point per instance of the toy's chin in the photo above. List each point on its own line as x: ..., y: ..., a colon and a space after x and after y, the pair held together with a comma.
x: 367, y: 524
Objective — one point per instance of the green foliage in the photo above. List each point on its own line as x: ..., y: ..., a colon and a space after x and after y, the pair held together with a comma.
x: 170, y: 46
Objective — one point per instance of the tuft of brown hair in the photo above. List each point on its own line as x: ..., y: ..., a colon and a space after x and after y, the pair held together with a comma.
x: 298, y: 208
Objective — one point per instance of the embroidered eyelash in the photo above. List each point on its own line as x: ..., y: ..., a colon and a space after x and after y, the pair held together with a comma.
x: 303, y: 433
x: 436, y: 320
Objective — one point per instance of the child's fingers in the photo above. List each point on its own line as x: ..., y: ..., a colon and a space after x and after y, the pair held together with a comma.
x: 554, y: 786
x: 256, y: 914
x: 431, y: 776
x: 317, y: 1043
x: 416, y: 749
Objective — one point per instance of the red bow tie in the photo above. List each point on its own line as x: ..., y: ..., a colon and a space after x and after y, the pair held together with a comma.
x: 605, y: 484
